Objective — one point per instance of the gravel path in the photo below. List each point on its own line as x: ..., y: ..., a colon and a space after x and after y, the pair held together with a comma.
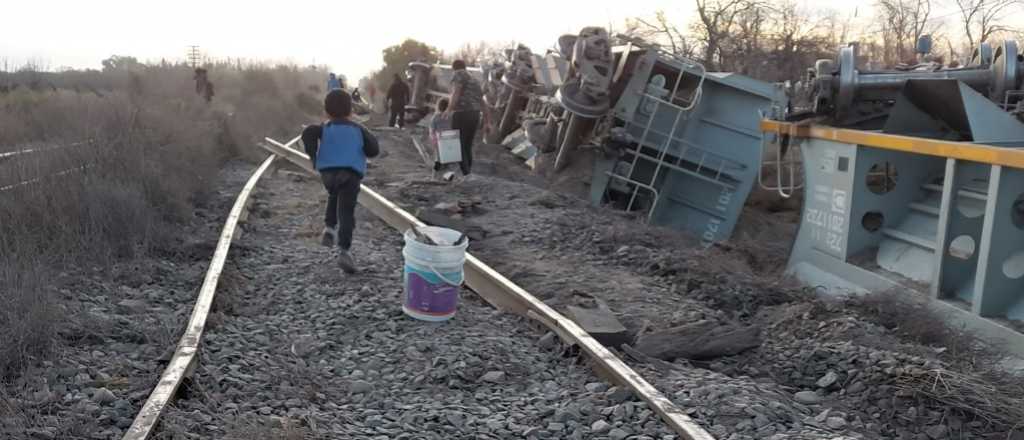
x: 307, y: 352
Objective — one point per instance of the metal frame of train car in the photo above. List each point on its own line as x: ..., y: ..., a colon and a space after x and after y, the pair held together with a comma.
x: 884, y: 211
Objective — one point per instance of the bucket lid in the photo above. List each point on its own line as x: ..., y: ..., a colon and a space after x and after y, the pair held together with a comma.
x: 442, y: 237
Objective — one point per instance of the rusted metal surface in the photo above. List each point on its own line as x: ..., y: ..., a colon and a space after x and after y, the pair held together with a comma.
x: 505, y: 295
x: 184, y: 357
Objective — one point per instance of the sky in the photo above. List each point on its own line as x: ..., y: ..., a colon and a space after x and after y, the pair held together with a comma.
x: 345, y: 35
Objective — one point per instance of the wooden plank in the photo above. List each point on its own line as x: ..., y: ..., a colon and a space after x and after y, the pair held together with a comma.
x: 188, y: 346
x: 505, y: 295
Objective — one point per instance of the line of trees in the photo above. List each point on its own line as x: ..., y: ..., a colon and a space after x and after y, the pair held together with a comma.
x: 779, y: 40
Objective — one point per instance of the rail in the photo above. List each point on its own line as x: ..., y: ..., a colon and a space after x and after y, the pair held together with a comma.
x: 16, y: 153
x: 980, y: 153
x: 183, y: 361
x: 505, y: 295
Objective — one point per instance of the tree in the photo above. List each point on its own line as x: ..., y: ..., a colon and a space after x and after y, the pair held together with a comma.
x: 398, y: 57
x: 475, y: 54
x: 798, y: 39
x: 903, y: 22
x: 660, y: 30
x: 982, y: 18
x: 119, y: 62
x: 717, y: 18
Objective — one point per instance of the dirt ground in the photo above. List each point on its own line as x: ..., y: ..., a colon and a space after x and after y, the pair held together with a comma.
x: 824, y: 369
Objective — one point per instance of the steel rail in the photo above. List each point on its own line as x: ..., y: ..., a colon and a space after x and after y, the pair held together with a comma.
x: 42, y: 178
x: 14, y: 153
x: 505, y: 295
x: 967, y: 151
x: 185, y: 355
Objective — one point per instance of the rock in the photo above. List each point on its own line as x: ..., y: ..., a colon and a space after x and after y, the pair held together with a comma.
x: 103, y: 396
x: 618, y: 434
x: 619, y: 394
x: 133, y: 305
x: 601, y: 324
x: 600, y: 427
x: 828, y: 380
x: 493, y: 377
x: 936, y: 432
x: 597, y: 387
x: 835, y: 423
x: 807, y: 397
x: 360, y: 387
x: 44, y: 434
x: 548, y: 341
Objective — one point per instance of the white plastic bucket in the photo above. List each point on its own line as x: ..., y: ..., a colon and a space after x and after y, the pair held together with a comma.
x: 433, y: 274
x: 449, y: 146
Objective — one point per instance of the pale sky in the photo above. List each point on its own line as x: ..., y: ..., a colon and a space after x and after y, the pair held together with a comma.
x: 347, y: 36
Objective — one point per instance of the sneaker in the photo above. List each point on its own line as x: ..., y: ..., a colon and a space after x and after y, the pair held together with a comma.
x: 329, y: 237
x: 345, y: 261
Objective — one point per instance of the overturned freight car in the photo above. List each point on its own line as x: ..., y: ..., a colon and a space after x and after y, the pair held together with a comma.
x: 667, y: 140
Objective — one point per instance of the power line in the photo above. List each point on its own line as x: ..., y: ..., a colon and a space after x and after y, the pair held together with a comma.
x: 193, y: 55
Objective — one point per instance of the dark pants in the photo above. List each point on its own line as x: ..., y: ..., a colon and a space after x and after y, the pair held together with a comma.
x: 466, y: 122
x: 397, y: 113
x: 342, y: 190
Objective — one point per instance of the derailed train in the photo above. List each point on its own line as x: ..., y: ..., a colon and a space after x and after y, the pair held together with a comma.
x: 676, y: 143
x: 912, y: 178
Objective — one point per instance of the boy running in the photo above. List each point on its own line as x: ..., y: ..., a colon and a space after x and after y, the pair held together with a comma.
x: 338, y: 149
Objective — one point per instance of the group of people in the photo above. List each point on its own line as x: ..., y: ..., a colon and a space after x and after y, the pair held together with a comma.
x: 339, y: 147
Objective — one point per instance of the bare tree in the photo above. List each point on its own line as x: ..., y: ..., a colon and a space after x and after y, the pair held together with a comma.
x: 661, y: 30
x: 717, y: 18
x: 983, y: 18
x: 903, y: 22
x: 799, y: 38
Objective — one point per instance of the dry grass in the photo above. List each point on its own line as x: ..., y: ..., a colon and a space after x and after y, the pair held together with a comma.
x: 910, y: 318
x: 994, y: 398
x: 153, y: 153
x: 969, y: 379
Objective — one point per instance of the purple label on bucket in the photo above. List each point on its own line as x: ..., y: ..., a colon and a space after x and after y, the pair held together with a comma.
x: 430, y: 298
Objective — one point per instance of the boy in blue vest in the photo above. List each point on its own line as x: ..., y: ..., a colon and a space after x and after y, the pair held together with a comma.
x: 338, y: 149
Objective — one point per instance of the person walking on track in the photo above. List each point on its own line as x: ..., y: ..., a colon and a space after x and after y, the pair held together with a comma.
x: 338, y: 149
x: 466, y: 101
x: 333, y: 83
x: 398, y: 97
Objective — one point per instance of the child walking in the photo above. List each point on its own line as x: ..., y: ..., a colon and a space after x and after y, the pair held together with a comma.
x: 338, y: 149
x: 439, y: 123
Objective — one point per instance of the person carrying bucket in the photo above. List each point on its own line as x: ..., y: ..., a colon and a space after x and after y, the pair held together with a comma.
x: 338, y: 149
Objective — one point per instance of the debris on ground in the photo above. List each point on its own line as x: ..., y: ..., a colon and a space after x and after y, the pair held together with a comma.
x: 821, y: 370
x: 601, y: 324
x: 699, y: 341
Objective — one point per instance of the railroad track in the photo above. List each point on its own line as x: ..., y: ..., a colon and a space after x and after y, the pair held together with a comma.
x: 486, y: 282
x: 16, y: 154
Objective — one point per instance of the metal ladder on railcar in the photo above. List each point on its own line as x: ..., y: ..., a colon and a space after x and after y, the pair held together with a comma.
x: 624, y: 173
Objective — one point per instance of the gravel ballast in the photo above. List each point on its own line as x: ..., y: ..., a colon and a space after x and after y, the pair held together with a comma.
x: 305, y: 350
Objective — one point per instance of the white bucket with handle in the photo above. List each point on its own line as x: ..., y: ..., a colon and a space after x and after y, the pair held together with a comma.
x: 449, y: 146
x: 433, y: 274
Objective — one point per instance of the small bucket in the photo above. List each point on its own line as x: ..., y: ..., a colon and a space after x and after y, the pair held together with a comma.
x: 433, y: 274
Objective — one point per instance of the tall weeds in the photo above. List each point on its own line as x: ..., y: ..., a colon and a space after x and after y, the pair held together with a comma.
x: 148, y: 147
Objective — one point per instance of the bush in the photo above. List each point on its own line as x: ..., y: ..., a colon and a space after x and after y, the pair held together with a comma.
x: 154, y: 148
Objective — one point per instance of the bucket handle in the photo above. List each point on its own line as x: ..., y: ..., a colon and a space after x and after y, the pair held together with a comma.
x: 442, y: 277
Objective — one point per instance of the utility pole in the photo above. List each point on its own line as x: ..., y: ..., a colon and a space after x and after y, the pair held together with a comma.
x: 193, y: 55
